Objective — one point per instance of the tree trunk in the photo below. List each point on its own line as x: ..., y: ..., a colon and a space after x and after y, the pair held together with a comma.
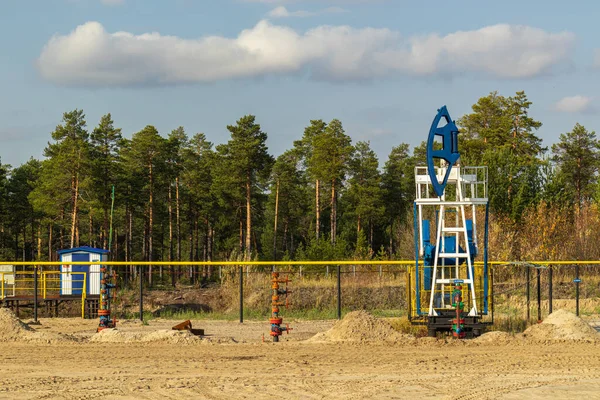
x: 210, y: 242
x: 77, y: 235
x: 333, y: 212
x: 241, y: 235
x: 317, y: 210
x: 205, y: 240
x: 285, y: 234
x: 248, y: 218
x: 91, y: 230
x: 61, y: 231
x: 358, y: 225
x: 275, y: 224
x: 39, y: 242
x: 75, y: 185
x: 50, y: 229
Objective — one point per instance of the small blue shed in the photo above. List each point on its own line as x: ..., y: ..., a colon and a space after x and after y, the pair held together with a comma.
x: 72, y: 276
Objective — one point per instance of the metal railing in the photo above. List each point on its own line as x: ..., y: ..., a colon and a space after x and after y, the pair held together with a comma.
x: 35, y: 285
x: 408, y: 264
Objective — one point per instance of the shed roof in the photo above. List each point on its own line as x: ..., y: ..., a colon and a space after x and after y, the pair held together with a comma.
x: 86, y: 249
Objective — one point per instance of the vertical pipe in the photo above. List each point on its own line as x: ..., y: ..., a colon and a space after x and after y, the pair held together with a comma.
x: 241, y: 269
x: 485, y: 256
x: 550, y: 290
x: 141, y: 276
x: 339, y: 293
x: 539, y: 294
x: 416, y: 229
x: 577, y: 280
x: 35, y: 294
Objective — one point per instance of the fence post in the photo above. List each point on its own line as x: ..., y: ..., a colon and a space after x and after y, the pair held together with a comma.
x: 550, y: 290
x: 528, y: 294
x: 577, y: 280
x: 35, y: 294
x: 339, y: 293
x: 241, y: 294
x: 141, y: 276
x: 539, y: 294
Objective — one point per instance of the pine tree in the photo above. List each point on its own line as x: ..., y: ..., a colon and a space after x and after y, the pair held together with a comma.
x: 145, y: 159
x: 106, y: 142
x: 64, y: 172
x: 398, y: 188
x: 578, y: 162
x: 329, y: 159
x: 306, y: 147
x: 365, y: 189
x: 249, y: 163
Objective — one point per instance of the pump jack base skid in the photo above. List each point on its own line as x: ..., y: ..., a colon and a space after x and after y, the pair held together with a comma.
x: 443, y: 323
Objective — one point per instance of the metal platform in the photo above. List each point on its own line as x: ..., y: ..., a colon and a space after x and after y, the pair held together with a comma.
x: 50, y: 304
x: 442, y: 323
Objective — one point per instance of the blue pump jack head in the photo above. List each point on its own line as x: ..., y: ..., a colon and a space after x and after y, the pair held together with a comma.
x: 449, y: 151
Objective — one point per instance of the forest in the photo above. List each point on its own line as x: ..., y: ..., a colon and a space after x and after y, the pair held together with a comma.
x: 178, y: 197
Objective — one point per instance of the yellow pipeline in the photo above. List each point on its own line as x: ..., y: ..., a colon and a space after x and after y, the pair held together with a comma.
x: 268, y: 263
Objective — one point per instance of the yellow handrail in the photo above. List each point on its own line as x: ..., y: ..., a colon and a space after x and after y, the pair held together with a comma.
x: 83, y: 295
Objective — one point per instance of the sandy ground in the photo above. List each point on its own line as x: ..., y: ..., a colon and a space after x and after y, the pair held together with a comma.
x: 245, y: 367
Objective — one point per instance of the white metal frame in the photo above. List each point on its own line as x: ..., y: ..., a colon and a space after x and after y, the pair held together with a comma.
x: 470, y: 190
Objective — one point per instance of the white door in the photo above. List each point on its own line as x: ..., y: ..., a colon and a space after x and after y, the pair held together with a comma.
x: 66, y: 279
x: 94, y: 275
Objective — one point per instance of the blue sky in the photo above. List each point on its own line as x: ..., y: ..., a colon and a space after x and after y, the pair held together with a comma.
x: 381, y: 67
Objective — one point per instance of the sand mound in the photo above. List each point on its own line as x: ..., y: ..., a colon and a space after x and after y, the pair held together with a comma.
x: 160, y: 336
x: 494, y: 337
x: 114, y: 335
x: 360, y: 326
x: 12, y: 329
x: 562, y: 325
x: 171, y: 336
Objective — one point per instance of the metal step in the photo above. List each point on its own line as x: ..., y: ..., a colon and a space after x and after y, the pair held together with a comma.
x: 448, y: 281
x: 453, y: 229
x: 453, y: 255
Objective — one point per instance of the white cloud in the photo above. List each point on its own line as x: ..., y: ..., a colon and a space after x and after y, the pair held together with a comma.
x: 574, y: 104
x: 91, y: 56
x: 112, y: 2
x: 282, y: 12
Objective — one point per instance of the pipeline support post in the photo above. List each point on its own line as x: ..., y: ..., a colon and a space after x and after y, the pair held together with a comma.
x: 550, y: 290
x: 35, y: 294
x: 577, y: 281
x: 141, y: 276
x: 539, y: 294
x: 241, y: 271
x: 528, y: 294
x: 339, y: 292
